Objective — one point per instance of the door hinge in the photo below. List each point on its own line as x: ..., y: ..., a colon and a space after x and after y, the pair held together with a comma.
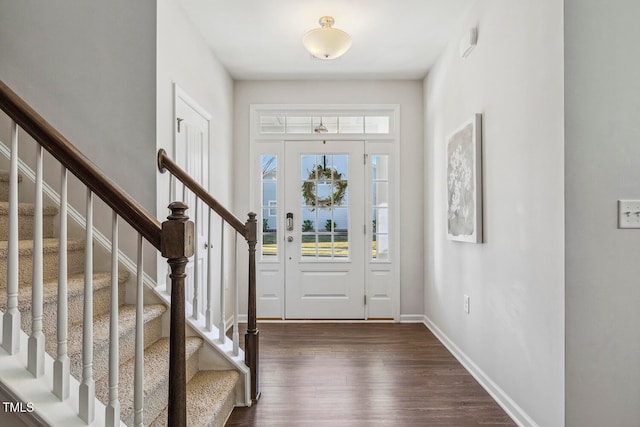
x: 179, y: 120
x: 364, y: 229
x: 365, y: 300
x: 364, y: 158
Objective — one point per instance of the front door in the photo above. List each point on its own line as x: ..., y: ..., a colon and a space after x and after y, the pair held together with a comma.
x: 324, y: 232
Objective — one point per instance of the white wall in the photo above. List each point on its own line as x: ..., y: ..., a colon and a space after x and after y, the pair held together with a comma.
x: 89, y: 69
x: 406, y: 93
x: 185, y: 59
x: 513, y: 337
x: 602, y: 153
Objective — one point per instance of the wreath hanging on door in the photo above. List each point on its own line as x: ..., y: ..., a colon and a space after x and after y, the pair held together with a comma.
x: 309, y: 188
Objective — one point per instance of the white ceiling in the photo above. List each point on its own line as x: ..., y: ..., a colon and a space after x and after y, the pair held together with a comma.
x: 262, y: 39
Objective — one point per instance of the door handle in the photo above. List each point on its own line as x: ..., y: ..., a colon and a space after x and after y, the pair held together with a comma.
x: 289, y: 221
x: 290, y: 239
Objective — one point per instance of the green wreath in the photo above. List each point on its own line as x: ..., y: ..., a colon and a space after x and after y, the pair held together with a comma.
x: 324, y: 173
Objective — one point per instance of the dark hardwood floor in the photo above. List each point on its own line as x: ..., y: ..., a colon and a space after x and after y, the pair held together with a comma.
x: 356, y: 374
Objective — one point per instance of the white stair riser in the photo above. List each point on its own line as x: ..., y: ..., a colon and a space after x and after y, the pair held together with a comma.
x: 25, y: 226
x: 4, y: 185
x: 75, y: 263
x: 101, y: 302
x: 157, y: 398
x: 152, y: 333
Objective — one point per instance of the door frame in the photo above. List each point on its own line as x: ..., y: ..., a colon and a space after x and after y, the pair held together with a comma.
x: 180, y: 96
x: 381, y: 303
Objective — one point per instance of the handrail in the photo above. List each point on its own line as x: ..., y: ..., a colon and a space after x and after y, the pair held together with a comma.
x: 249, y: 231
x: 90, y: 175
x: 173, y: 238
x: 166, y: 164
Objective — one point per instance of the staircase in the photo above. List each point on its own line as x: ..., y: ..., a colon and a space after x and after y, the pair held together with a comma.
x: 119, y: 349
x: 210, y: 394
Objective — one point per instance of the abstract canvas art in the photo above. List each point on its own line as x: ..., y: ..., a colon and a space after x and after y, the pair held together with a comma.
x: 464, y: 182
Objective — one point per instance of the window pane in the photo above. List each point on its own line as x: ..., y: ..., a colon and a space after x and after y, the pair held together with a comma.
x: 380, y: 194
x: 269, y: 168
x: 341, y: 165
x: 341, y: 219
x: 272, y: 124
x: 380, y: 200
x: 376, y: 124
x: 341, y: 244
x: 269, y: 211
x: 325, y: 218
x: 351, y: 124
x: 330, y: 123
x: 298, y: 124
x: 380, y: 165
x: 380, y: 247
x: 308, y: 167
x: 268, y: 193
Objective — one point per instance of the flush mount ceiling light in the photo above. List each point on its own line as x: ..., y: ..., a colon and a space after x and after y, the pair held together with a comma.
x: 326, y: 42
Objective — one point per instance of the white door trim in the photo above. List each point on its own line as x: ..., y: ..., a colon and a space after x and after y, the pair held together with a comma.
x: 388, y: 143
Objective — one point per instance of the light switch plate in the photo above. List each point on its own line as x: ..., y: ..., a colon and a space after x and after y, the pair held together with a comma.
x: 628, y: 213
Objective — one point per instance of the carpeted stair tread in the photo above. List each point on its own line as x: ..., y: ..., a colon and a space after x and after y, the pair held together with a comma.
x: 126, y: 340
x: 210, y: 399
x: 126, y: 323
x: 156, y: 366
x: 49, y: 245
x: 75, y: 288
x: 210, y: 394
x: 27, y: 209
x: 50, y: 252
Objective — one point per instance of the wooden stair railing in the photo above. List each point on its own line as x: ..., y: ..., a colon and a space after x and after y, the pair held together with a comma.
x: 173, y: 238
x: 249, y: 231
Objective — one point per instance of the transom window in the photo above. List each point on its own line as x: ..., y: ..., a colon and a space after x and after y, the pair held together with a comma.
x: 325, y: 124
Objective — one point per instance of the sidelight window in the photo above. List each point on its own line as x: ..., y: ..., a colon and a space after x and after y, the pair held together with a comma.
x: 269, y: 204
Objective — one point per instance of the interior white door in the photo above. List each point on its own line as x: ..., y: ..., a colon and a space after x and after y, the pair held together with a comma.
x: 192, y: 154
x: 324, y: 230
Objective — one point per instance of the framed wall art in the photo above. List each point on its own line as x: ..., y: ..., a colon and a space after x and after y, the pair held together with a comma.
x: 464, y: 182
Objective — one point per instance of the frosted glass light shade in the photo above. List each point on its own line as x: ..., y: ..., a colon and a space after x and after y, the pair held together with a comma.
x: 326, y: 42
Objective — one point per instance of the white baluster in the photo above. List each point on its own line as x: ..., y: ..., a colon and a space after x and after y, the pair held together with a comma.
x: 221, y: 324
x: 209, y: 314
x: 35, y: 363
x: 113, y: 407
x: 236, y: 299
x: 11, y: 328
x: 196, y: 265
x: 61, y: 364
x: 138, y: 380
x: 87, y: 390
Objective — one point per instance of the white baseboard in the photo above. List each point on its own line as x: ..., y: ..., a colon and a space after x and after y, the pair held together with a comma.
x: 517, y: 414
x: 411, y: 318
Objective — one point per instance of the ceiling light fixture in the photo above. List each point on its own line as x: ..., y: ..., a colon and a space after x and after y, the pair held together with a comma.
x: 326, y: 42
x: 321, y: 128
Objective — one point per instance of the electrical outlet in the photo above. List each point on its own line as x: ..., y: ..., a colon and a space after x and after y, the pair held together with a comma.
x: 466, y: 304
x: 628, y: 213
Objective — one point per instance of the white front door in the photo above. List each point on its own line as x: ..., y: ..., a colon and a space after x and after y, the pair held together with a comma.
x: 192, y: 154
x: 324, y: 245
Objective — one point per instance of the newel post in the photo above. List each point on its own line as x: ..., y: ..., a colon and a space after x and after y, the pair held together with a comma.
x: 177, y: 246
x: 251, y: 338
